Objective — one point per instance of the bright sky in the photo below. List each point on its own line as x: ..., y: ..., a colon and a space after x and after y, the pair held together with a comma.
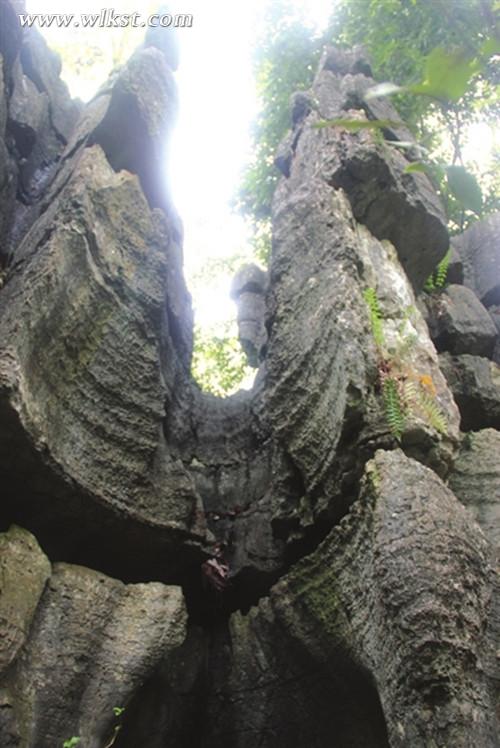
x: 212, y: 142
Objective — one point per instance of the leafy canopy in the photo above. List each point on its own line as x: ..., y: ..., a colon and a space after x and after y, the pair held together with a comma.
x: 439, y: 58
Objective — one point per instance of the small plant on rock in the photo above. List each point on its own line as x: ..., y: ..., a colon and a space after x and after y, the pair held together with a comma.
x: 404, y: 391
x: 438, y: 279
x: 118, y: 712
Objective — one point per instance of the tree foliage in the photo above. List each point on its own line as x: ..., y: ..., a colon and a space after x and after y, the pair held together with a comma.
x: 219, y: 364
x: 440, y: 58
x: 284, y: 61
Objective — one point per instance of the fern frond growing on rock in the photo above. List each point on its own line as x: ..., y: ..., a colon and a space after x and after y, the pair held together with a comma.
x: 437, y: 279
x: 442, y: 270
x: 404, y: 391
x: 431, y: 411
x: 393, y: 406
x: 420, y: 397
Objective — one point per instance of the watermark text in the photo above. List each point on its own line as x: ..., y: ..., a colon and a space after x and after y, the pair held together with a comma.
x: 107, y: 18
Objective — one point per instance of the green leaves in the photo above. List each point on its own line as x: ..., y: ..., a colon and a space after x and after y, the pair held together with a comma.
x: 464, y: 187
x: 393, y: 406
x: 71, y: 743
x: 447, y: 74
x: 219, y: 364
x: 437, y: 279
x: 490, y: 47
x: 460, y: 183
x: 416, y: 167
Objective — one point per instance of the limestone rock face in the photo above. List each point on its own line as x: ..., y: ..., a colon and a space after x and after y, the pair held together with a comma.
x: 392, y: 204
x: 24, y: 570
x: 38, y: 118
x: 379, y: 591
x: 475, y: 383
x: 43, y: 67
x: 92, y: 641
x: 376, y: 637
x: 87, y: 364
x: 248, y: 290
x: 284, y: 567
x: 475, y: 480
x: 460, y: 324
x: 144, y: 125
x: 93, y: 396
x: 479, y: 250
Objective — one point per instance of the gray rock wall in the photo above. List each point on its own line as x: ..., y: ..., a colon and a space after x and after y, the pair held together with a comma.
x: 285, y: 567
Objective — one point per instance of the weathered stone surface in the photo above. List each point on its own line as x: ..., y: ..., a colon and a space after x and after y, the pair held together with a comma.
x: 496, y: 353
x: 405, y: 567
x: 459, y: 323
x: 142, y: 105
x: 392, y: 204
x: 250, y: 279
x: 24, y: 570
x: 8, y: 170
x: 94, y: 269
x: 479, y: 249
x: 346, y: 61
x: 322, y: 361
x: 397, y: 595
x: 3, y: 102
x: 248, y: 290
x: 95, y: 640
x: 113, y: 456
x: 131, y: 118
x: 475, y: 383
x: 11, y: 33
x: 356, y: 79
x: 28, y: 110
x: 272, y: 690
x: 39, y: 114
x: 494, y: 312
x: 43, y: 66
x: 34, y: 138
x: 475, y: 480
x: 169, y: 708
x: 455, y: 273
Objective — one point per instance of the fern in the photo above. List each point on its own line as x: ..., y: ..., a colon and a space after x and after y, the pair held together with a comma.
x: 403, y: 391
x: 431, y: 411
x: 429, y: 284
x: 394, y: 407
x: 370, y: 296
x: 438, y: 278
x: 419, y: 397
x: 442, y: 270
x: 410, y: 394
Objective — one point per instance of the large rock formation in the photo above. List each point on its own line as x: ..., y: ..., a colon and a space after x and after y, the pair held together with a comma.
x: 479, y: 250
x: 336, y: 590
x: 92, y: 641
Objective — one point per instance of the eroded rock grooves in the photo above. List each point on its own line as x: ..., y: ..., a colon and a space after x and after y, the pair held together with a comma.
x: 356, y: 601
